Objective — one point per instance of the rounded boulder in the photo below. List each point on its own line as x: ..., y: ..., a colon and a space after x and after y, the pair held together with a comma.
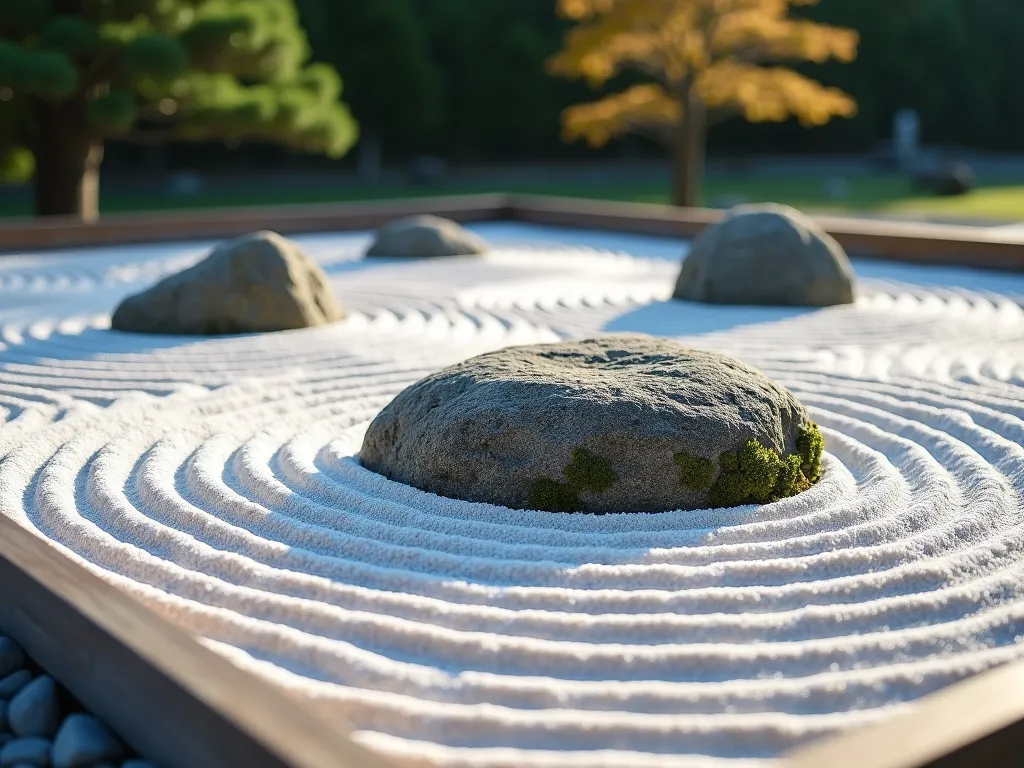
x: 256, y: 283
x: 425, y: 237
x: 769, y: 255
x: 616, y: 424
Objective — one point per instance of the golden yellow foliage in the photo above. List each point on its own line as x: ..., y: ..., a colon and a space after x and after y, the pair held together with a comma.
x: 711, y: 50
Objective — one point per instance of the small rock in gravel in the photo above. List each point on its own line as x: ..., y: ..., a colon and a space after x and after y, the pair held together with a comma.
x: 766, y: 255
x: 13, y: 683
x: 82, y: 741
x: 425, y: 237
x: 616, y: 424
x: 253, y: 284
x: 137, y: 764
x: 29, y: 751
x: 12, y: 658
x: 34, y: 710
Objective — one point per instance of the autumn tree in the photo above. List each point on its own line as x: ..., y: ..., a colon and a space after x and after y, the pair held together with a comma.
x: 74, y: 73
x: 700, y: 61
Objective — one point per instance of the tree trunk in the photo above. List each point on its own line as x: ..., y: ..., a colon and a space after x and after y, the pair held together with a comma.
x: 688, y: 153
x: 68, y: 157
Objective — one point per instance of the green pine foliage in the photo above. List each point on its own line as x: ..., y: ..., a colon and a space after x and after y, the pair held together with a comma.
x: 205, y: 70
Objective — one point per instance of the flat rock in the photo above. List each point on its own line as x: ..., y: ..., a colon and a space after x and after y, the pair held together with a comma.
x: 252, y: 284
x: 12, y: 658
x: 766, y: 255
x: 26, y: 751
x: 84, y: 740
x: 616, y: 424
x: 35, y: 710
x: 424, y: 237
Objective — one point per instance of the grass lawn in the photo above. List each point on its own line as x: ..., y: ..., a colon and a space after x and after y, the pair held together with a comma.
x: 870, y: 194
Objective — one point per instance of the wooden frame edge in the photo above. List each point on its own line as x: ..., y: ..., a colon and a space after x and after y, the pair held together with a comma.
x: 174, y: 700
x: 942, y: 244
x: 937, y: 244
x: 121, y: 229
x: 972, y: 723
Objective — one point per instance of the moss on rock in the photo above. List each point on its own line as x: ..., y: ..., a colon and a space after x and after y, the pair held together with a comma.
x: 586, y: 472
x: 755, y: 474
x: 552, y: 496
x: 697, y: 473
x: 811, y: 445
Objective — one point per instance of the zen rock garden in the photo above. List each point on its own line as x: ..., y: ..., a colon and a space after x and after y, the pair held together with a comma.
x: 614, y: 424
x: 42, y: 726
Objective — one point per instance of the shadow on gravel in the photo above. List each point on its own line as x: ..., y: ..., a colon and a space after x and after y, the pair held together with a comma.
x: 687, y: 318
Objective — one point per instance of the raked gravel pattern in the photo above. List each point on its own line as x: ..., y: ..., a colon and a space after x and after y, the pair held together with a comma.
x: 218, y: 481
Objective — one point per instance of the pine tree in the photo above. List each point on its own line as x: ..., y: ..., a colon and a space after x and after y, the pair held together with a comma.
x: 708, y: 60
x: 74, y: 73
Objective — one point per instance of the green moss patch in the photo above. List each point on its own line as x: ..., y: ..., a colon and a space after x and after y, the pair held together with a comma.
x: 698, y: 473
x: 811, y: 445
x: 757, y: 475
x: 586, y: 472
x: 552, y: 496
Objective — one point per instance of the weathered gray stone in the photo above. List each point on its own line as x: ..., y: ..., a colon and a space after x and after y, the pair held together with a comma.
x: 12, y: 658
x: 83, y: 740
x: 256, y: 283
x: 617, y: 424
x: 34, y: 710
x: 28, y: 751
x: 766, y: 255
x: 425, y: 236
x: 14, y: 682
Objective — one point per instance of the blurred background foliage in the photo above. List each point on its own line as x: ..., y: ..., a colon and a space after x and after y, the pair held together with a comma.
x: 466, y: 81
x: 957, y: 62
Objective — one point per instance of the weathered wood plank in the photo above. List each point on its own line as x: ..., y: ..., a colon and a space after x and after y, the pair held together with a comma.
x: 919, y: 243
x: 172, y: 699
x: 977, y: 723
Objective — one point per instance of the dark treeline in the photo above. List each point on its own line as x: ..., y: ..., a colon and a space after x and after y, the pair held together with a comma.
x: 465, y: 79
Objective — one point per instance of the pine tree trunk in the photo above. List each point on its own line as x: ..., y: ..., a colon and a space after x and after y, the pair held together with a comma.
x: 688, y: 149
x: 68, y: 157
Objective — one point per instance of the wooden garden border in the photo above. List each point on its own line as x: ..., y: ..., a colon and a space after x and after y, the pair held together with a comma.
x: 948, y: 244
x: 175, y: 701
x: 186, y: 707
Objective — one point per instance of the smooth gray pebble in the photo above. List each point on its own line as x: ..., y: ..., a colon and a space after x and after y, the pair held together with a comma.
x: 29, y: 751
x: 34, y: 710
x: 83, y: 741
x: 14, y: 682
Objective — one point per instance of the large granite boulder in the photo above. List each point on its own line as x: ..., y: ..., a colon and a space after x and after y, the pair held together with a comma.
x: 255, y: 283
x: 425, y: 236
x: 767, y: 255
x: 618, y: 424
